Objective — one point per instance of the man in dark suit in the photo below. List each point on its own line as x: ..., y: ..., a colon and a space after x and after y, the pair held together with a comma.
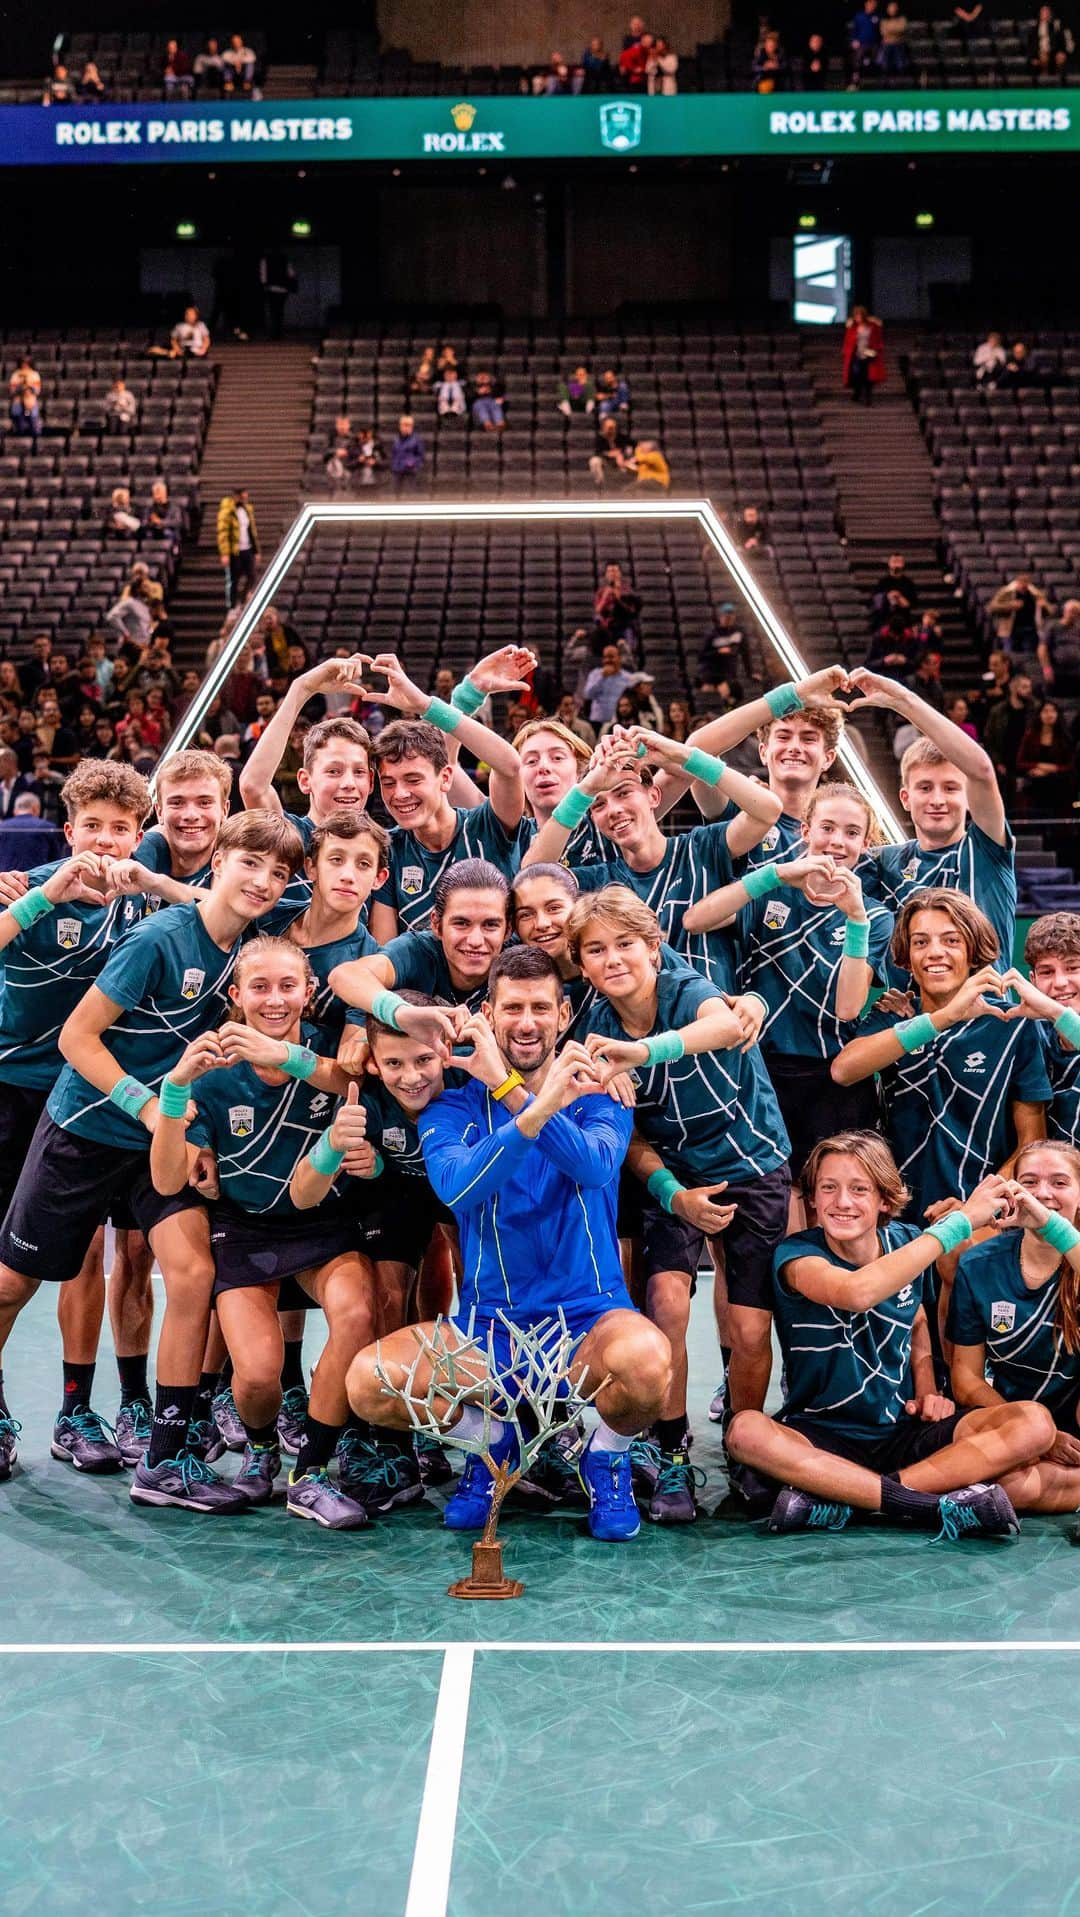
x: 12, y: 782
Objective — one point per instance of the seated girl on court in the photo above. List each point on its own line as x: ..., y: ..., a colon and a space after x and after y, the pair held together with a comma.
x: 261, y: 1099
x: 863, y: 1426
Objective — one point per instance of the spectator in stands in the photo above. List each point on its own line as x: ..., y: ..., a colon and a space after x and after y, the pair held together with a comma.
x: 27, y: 739
x: 647, y: 708
x: 487, y: 406
x: 367, y: 457
x: 988, y: 360
x: 616, y: 610
x: 209, y: 69
x: 625, y: 714
x: 27, y: 806
x: 154, y: 671
x: 85, y: 721
x: 864, y: 40
x: 596, y: 70
x: 121, y: 407
x: 966, y: 16
x: 634, y: 31
x: 10, y: 683
x: 1005, y: 726
x: 996, y: 679
x: 239, y: 65
x: 959, y: 712
x: 36, y: 671
x: 576, y: 394
x: 926, y: 680
x: 1046, y: 763
x: 48, y: 786
x: 753, y: 533
x: 25, y: 417
x: 237, y: 544
x: 130, y: 615
x: 662, y: 68
x: 12, y: 782
x: 679, y: 721
x: 1058, y: 651
x: 722, y: 652
x: 612, y: 395
x: 1016, y: 610
x: 244, y: 684
x: 634, y: 63
x: 893, y: 649
x: 120, y: 521
x: 815, y: 64
x: 568, y: 713
x: 25, y: 389
x: 609, y: 464
x: 60, y: 89
x: 407, y: 454
x: 769, y: 65
x: 423, y: 378
x: 176, y: 74
x: 1050, y: 45
x: 605, y: 686
x: 1018, y: 369
x: 91, y: 85
x: 894, y: 588
x: 449, y: 386
x: 559, y: 79
x: 652, y: 474
x: 52, y: 735
x: 265, y: 708
x: 190, y: 337
x: 895, y: 54
x: 104, y: 741
x: 161, y: 519
x: 864, y: 348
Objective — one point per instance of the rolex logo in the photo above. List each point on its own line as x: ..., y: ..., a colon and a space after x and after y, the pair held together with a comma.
x: 463, y: 116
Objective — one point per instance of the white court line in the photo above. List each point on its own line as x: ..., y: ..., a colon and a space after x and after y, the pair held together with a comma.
x: 446, y: 1647
x: 429, y: 1884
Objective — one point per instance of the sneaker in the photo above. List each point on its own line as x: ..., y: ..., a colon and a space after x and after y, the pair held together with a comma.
x: 255, y: 1478
x: 468, y: 1509
x: 205, y: 1441
x: 718, y: 1403
x: 605, y: 1475
x: 290, y: 1419
x: 978, y: 1511
x: 83, y: 1439
x: 673, y: 1500
x: 188, y: 1482
x: 749, y: 1494
x: 800, y: 1511
x: 375, y: 1474
x: 9, y: 1432
x: 316, y: 1496
x: 132, y: 1429
x: 644, y: 1466
x: 552, y: 1478
x: 227, y: 1419
x: 432, y: 1462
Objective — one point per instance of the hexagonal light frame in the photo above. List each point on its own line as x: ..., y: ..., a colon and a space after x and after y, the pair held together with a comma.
x: 348, y: 512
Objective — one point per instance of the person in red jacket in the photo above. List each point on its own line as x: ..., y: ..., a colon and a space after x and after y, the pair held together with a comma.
x: 864, y: 355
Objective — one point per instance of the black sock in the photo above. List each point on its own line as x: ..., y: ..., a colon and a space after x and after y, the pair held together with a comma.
x: 4, y: 1412
x: 202, y: 1409
x: 901, y: 1503
x: 78, y: 1384
x: 292, y: 1369
x: 394, y: 1440
x: 265, y: 1434
x: 133, y: 1386
x: 225, y: 1375
x: 172, y: 1415
x: 670, y: 1433
x: 360, y: 1425
x: 316, y: 1446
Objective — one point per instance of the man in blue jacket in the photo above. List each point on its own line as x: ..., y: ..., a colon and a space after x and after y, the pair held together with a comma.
x: 527, y: 1157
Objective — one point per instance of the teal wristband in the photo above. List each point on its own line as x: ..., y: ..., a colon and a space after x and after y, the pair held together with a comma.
x: 783, y: 699
x: 570, y: 811
x: 379, y: 1167
x: 952, y: 1230
x: 704, y: 766
x: 467, y: 698
x: 300, y: 1061
x: 857, y: 938
x: 759, y: 880
x: 1066, y: 1025
x: 664, y: 1186
x: 130, y: 1095
x: 324, y: 1159
x: 438, y: 713
x: 913, y: 1033
x: 173, y: 1099
x: 1058, y: 1232
x: 31, y: 907
x: 663, y: 1048
x: 385, y: 1006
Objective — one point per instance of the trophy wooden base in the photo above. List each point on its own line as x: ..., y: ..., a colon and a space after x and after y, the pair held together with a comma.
x: 486, y: 1579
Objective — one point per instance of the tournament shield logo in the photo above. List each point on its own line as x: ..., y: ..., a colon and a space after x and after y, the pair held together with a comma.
x: 1002, y: 1315
x: 412, y: 880
x: 777, y: 915
x: 771, y: 840
x: 620, y: 125
x: 394, y: 1138
x: 68, y: 933
x: 193, y: 982
x: 241, y: 1120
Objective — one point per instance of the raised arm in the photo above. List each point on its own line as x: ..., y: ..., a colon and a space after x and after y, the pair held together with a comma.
x: 257, y: 777
x: 714, y: 1028
x: 759, y: 808
x: 871, y: 1284
x: 965, y: 753
x: 864, y: 1056
x: 505, y: 791
x: 72, y: 880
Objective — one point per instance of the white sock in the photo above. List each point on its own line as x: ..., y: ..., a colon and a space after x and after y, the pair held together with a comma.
x: 471, y: 1424
x: 605, y: 1439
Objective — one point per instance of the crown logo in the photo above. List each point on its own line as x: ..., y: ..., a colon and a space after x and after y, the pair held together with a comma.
x: 463, y: 116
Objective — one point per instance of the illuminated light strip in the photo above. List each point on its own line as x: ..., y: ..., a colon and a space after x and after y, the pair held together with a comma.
x: 349, y: 512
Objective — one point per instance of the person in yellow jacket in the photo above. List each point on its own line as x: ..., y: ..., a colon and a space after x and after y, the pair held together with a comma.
x: 238, y: 544
x: 652, y: 469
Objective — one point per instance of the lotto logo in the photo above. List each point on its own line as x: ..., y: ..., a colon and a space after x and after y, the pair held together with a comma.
x: 975, y: 1062
x: 318, y: 1104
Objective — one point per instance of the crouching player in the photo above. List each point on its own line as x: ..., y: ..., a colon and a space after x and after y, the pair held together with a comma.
x: 527, y: 1158
x: 862, y: 1426
x: 260, y: 1100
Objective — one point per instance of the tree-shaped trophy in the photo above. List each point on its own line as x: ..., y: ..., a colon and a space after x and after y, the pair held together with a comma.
x: 530, y: 1376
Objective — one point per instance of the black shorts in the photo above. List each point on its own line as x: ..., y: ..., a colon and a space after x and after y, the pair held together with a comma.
x: 270, y: 1249
x: 21, y: 1107
x: 633, y: 1201
x: 813, y: 1107
x: 67, y: 1188
x: 759, y: 1225
x: 907, y: 1442
x: 403, y: 1224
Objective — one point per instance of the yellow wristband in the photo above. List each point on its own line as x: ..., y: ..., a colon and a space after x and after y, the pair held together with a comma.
x: 510, y: 1083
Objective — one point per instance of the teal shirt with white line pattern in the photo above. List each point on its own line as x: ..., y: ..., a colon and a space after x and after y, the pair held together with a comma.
x: 45, y: 972
x: 414, y: 871
x: 694, y: 863
x: 792, y: 953
x: 849, y: 1371
x: 992, y: 1306
x: 260, y: 1133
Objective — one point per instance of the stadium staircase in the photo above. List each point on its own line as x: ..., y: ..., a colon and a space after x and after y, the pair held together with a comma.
x: 257, y: 436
